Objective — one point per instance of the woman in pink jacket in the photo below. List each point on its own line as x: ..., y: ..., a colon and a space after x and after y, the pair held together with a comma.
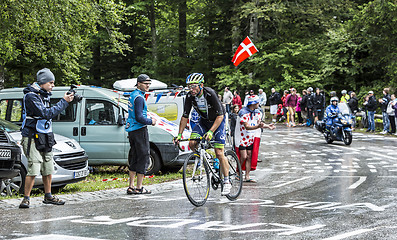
x: 290, y: 103
x: 299, y: 110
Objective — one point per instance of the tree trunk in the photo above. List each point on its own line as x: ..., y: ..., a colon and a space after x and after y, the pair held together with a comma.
x: 2, y: 77
x: 96, y: 67
x: 152, y: 20
x: 254, y: 24
x: 236, y: 35
x: 182, y: 9
x: 20, y: 78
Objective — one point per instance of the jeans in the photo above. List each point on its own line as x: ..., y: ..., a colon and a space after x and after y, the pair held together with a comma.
x: 228, y: 108
x: 392, y: 124
x: 371, y: 120
x: 386, y: 121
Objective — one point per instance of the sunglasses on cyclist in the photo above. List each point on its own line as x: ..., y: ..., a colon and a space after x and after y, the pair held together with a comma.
x: 191, y: 86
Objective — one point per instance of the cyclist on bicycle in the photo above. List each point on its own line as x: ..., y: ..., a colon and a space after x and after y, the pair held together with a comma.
x: 212, y: 122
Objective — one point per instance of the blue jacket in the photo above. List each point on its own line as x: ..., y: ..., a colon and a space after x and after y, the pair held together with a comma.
x: 37, y: 113
x: 331, y: 113
x: 137, y: 112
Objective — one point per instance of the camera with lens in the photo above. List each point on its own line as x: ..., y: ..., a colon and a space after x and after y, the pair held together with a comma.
x: 77, y: 98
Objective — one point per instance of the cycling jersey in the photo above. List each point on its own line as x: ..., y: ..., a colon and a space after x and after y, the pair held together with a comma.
x: 208, y: 105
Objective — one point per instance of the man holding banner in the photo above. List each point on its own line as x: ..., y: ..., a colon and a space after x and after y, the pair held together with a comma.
x: 247, y: 135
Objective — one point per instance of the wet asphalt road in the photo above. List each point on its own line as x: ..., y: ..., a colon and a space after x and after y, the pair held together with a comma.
x: 306, y: 189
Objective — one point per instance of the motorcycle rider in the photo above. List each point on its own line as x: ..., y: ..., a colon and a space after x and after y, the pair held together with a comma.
x: 331, y: 113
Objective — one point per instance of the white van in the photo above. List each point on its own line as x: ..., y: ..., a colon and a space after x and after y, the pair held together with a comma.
x: 97, y: 124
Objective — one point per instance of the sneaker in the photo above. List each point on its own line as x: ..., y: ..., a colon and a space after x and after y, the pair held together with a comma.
x: 383, y: 132
x: 25, y: 203
x: 226, y: 188
x: 368, y: 130
x: 53, y: 200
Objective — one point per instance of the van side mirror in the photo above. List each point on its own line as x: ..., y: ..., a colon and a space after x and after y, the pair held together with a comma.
x: 120, y: 120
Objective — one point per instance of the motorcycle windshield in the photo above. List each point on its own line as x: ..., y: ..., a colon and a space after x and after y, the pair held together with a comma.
x: 344, y: 109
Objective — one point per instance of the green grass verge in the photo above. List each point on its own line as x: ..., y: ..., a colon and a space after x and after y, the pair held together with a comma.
x: 105, y: 177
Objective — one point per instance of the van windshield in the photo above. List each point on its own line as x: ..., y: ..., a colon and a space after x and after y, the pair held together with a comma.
x: 9, y: 126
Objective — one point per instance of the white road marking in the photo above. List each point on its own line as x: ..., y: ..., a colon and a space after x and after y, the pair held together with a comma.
x: 57, y: 237
x: 356, y: 184
x: 52, y: 219
x: 349, y: 234
x: 290, y: 182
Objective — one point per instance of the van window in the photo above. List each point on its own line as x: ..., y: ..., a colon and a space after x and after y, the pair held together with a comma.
x: 99, y: 112
x: 166, y: 110
x: 3, y: 108
x: 67, y: 115
x: 11, y: 110
x: 16, y: 111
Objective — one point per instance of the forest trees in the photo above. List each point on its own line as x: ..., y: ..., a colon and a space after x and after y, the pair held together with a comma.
x: 335, y: 45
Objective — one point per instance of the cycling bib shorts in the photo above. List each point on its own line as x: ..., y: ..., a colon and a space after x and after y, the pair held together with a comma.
x: 203, y: 126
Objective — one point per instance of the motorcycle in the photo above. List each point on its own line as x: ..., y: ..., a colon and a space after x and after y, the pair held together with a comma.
x: 341, y: 129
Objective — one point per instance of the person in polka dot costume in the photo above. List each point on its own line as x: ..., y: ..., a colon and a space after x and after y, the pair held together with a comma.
x: 250, y: 122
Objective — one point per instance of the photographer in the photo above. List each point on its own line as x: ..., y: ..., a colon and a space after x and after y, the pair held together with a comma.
x: 37, y: 135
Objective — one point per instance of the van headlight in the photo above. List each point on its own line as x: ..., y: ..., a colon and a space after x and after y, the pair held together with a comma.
x: 56, y: 150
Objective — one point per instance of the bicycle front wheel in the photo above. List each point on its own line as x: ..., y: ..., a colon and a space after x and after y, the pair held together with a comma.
x: 196, y: 180
x: 235, y: 175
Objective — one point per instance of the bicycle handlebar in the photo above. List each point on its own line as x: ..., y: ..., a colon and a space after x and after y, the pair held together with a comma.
x: 192, y: 139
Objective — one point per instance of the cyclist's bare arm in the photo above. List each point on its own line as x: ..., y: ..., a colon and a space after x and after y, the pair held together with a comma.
x: 182, y: 124
x: 217, y: 122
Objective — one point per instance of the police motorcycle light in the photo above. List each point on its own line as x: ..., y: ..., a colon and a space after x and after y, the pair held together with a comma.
x: 343, y: 121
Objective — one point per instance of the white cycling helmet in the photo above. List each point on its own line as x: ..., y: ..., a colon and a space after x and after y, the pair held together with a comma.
x: 333, y: 99
x: 195, y: 78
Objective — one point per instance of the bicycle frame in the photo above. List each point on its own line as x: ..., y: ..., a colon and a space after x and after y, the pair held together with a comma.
x: 205, y: 158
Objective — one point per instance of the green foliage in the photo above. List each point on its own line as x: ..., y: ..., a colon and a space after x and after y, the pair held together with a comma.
x: 374, y: 30
x: 333, y: 45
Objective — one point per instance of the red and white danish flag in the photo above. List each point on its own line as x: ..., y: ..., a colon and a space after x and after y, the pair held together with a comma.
x: 246, y: 49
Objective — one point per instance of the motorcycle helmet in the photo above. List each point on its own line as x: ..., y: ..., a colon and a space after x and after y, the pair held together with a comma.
x: 310, y: 89
x: 344, y: 92
x: 195, y: 78
x: 334, y: 99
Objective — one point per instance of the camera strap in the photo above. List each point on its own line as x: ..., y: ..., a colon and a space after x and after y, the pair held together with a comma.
x: 30, y: 137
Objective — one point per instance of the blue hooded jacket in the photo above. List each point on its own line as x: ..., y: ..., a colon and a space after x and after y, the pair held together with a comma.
x: 37, y: 113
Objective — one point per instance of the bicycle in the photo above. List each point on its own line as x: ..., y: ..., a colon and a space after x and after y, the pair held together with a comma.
x: 199, y: 173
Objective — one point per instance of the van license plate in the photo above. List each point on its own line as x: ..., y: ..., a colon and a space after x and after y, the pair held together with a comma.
x: 5, y: 153
x: 80, y: 174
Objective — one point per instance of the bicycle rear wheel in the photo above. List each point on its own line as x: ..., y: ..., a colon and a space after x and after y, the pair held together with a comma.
x: 196, y: 181
x: 235, y: 175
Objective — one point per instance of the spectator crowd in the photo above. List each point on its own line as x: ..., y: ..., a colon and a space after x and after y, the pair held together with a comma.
x: 305, y: 108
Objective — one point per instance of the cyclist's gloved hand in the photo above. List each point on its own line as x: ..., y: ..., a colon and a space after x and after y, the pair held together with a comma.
x: 177, y: 138
x: 208, y: 136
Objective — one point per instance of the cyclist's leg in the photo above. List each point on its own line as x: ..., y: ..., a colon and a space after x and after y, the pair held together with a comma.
x: 198, y: 131
x: 219, y: 138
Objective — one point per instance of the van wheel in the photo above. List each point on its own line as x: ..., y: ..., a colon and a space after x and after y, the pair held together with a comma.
x: 170, y: 169
x: 154, y: 163
x: 13, y: 186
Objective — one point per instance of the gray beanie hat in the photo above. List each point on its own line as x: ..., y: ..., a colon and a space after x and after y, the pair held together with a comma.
x: 44, y: 76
